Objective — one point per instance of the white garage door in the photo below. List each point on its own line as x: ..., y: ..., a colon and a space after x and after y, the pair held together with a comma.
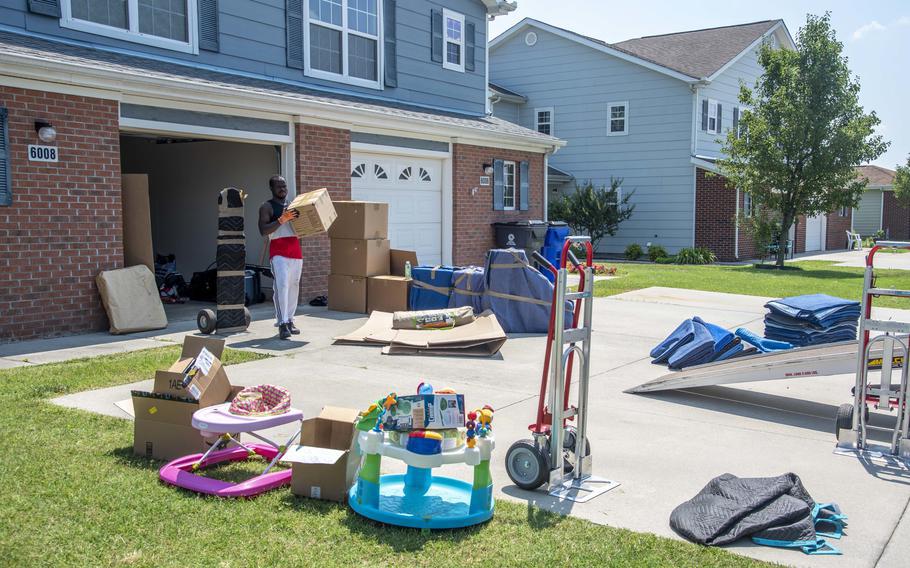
x: 815, y: 230
x: 413, y: 189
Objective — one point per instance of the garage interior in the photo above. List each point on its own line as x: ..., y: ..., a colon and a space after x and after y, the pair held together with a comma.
x: 185, y: 176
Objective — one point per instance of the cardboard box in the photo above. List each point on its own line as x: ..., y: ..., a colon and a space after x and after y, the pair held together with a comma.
x: 316, y: 213
x: 360, y: 220
x: 137, y: 221
x: 360, y: 257
x: 347, y: 293
x: 387, y: 293
x: 209, y: 386
x: 426, y: 412
x: 319, y: 465
x: 397, y: 260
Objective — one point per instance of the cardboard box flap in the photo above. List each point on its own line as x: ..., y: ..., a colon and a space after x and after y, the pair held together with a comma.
x: 313, y: 455
x: 377, y: 329
x: 333, y: 428
x: 398, y: 258
x: 485, y: 328
x: 193, y: 344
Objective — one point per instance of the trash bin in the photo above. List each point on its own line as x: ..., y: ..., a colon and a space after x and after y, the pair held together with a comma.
x: 528, y: 235
x: 557, y: 231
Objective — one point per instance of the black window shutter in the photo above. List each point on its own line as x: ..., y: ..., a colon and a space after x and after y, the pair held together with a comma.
x: 45, y: 7
x: 720, y: 114
x: 704, y: 114
x: 208, y: 25
x: 6, y: 183
x: 736, y: 121
x: 498, y: 204
x: 524, y: 186
x: 469, y: 46
x: 294, y: 32
x: 436, y: 35
x: 391, y: 54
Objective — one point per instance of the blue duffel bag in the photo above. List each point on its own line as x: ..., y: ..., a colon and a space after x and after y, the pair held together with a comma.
x: 431, y: 287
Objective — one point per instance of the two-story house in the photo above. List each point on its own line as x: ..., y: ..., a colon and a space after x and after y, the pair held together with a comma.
x: 651, y: 111
x: 381, y: 100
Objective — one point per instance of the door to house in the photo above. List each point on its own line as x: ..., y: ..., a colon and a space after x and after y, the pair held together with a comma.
x: 815, y: 233
x: 413, y: 189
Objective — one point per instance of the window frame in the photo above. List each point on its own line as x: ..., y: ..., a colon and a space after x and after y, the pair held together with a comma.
x: 505, y: 165
x: 748, y: 206
x: 625, y: 119
x: 712, y: 106
x: 344, y: 77
x: 845, y: 212
x: 458, y: 17
x: 133, y: 34
x: 551, y: 123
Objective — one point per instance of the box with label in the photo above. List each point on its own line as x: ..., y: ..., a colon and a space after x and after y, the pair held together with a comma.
x: 398, y: 258
x: 320, y: 467
x: 426, y: 412
x: 197, y: 374
x: 360, y: 257
x: 387, y: 293
x: 317, y: 214
x: 360, y: 220
x: 347, y: 293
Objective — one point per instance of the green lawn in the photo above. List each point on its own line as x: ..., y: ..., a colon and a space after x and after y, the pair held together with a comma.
x: 807, y: 277
x: 72, y: 493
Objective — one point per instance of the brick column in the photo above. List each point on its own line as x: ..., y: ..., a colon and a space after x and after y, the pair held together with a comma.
x: 715, y: 214
x: 65, y: 223
x: 895, y: 219
x: 323, y: 160
x: 838, y: 226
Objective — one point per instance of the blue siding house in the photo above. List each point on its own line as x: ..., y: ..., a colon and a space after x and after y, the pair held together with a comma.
x: 379, y: 100
x: 648, y: 110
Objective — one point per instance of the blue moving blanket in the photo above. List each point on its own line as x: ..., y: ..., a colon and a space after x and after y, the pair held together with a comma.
x: 683, y: 333
x: 430, y: 288
x: 699, y: 349
x: 818, y: 309
x: 518, y: 293
x: 762, y: 344
x: 812, y: 319
x: 468, y: 287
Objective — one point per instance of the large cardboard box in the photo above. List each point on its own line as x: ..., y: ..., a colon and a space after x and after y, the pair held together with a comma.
x: 398, y: 258
x: 316, y: 213
x: 360, y: 257
x: 137, y: 221
x: 347, y: 293
x: 319, y: 465
x: 387, y: 293
x: 210, y: 384
x: 360, y: 220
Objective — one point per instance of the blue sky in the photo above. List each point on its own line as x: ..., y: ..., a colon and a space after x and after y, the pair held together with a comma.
x: 875, y: 34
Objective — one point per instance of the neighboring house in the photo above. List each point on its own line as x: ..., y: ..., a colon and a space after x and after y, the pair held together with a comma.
x: 651, y: 111
x: 379, y: 100
x: 878, y: 209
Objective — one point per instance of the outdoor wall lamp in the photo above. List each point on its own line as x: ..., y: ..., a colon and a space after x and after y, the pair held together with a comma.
x: 46, y: 131
x: 488, y: 169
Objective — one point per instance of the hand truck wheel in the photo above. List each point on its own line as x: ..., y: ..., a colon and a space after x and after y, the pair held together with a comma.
x: 844, y: 420
x: 569, y: 444
x: 206, y: 321
x: 527, y: 465
x: 247, y: 316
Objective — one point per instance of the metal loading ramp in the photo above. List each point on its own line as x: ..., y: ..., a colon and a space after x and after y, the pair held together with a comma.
x: 815, y: 361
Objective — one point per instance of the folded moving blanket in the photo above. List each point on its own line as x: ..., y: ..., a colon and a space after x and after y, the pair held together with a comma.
x: 732, y: 349
x: 683, y: 333
x: 762, y: 344
x: 818, y: 309
x: 699, y: 349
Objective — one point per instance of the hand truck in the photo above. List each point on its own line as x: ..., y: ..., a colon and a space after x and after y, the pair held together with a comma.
x: 554, y: 453
x: 852, y: 418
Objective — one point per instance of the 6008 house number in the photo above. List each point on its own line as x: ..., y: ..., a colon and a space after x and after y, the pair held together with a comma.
x: 42, y: 153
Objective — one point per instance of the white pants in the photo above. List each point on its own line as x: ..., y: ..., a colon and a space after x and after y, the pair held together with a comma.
x: 285, y: 287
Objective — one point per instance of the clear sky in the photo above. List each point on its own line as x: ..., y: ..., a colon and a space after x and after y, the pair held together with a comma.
x: 875, y: 34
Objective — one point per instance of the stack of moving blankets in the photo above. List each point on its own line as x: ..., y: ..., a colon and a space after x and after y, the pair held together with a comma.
x: 811, y: 319
x: 696, y: 342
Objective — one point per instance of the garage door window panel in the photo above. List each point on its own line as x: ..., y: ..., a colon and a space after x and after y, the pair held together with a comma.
x: 344, y: 41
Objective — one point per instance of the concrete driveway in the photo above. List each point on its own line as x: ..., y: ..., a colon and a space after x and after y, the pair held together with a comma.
x: 857, y: 258
x: 663, y: 448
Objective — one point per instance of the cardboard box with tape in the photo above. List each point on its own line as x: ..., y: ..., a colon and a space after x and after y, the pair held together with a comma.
x: 324, y: 464
x: 360, y: 220
x: 387, y: 293
x: 317, y: 213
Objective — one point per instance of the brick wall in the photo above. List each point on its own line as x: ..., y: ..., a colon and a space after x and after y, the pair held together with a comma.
x: 747, y: 250
x: 895, y: 219
x: 64, y: 225
x: 799, y: 240
x: 836, y: 238
x: 323, y: 160
x: 473, y: 214
x: 715, y: 214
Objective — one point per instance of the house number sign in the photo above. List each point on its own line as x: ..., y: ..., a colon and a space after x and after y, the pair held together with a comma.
x: 42, y: 153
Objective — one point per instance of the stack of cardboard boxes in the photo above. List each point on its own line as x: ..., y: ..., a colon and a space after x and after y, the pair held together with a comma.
x: 361, y: 278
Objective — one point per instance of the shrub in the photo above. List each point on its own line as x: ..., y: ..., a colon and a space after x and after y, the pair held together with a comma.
x: 695, y: 255
x: 655, y: 252
x: 593, y: 211
x: 633, y: 251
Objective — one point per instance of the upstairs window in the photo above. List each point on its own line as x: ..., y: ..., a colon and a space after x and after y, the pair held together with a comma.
x: 453, y: 24
x: 344, y: 42
x: 544, y: 120
x: 170, y: 24
x: 618, y: 118
x: 711, y: 116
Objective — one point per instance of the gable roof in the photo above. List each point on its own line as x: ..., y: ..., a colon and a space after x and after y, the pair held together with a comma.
x: 876, y: 175
x: 691, y: 56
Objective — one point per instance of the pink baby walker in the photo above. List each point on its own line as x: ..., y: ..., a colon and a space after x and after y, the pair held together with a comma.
x: 254, y: 408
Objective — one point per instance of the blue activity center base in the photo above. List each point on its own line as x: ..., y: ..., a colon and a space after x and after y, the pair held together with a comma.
x: 445, y: 503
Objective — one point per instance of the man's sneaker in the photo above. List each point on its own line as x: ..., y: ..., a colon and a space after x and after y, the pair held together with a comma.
x: 283, y: 331
x: 293, y: 328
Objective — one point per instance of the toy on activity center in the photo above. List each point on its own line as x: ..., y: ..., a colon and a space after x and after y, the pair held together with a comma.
x: 426, y: 431
x: 253, y: 409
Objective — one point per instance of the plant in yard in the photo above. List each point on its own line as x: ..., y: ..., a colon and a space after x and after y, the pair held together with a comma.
x: 665, y: 260
x: 803, y: 132
x: 695, y: 255
x: 902, y: 184
x: 655, y: 252
x: 763, y: 226
x: 593, y: 211
x: 633, y: 251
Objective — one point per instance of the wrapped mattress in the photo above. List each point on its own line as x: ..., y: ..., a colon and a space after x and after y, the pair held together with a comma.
x: 518, y: 293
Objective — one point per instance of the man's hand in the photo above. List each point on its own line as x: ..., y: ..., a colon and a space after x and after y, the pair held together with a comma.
x: 288, y: 215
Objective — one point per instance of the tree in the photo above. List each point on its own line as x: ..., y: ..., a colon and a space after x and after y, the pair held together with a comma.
x: 803, y: 132
x: 902, y: 184
x: 596, y: 212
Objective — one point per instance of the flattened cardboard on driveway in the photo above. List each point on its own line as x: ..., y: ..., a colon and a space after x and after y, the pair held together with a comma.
x: 482, y: 338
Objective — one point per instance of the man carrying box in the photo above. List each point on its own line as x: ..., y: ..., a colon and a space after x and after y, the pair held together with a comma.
x: 285, y: 256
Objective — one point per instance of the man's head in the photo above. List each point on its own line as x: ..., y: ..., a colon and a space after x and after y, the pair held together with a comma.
x: 278, y: 186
